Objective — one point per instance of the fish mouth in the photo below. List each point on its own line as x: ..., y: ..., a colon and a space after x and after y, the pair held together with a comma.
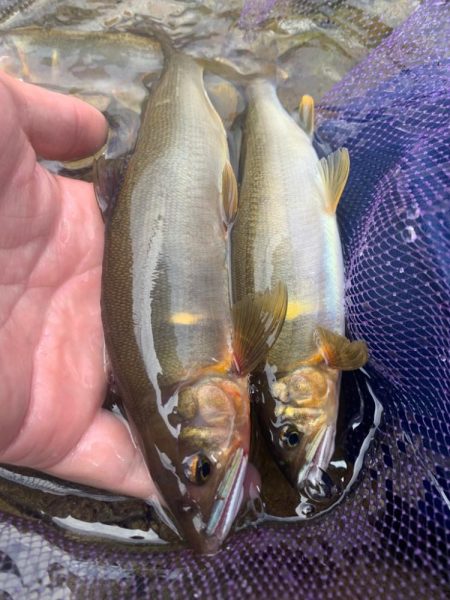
x: 317, y: 459
x: 228, y: 499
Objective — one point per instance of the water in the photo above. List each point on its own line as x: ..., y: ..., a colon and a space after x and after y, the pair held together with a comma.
x: 96, y: 54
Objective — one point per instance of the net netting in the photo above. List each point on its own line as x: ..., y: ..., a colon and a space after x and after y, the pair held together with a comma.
x: 390, y: 537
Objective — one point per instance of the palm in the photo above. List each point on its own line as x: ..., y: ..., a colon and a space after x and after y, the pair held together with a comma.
x: 52, y: 380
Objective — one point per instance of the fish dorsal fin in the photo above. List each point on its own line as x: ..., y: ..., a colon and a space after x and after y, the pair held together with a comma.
x: 229, y: 194
x: 334, y: 170
x: 257, y: 322
x: 306, y: 114
x: 338, y: 352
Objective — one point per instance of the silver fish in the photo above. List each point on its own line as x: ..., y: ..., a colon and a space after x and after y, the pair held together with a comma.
x: 286, y: 230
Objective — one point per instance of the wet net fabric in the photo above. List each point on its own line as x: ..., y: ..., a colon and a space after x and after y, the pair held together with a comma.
x: 390, y: 536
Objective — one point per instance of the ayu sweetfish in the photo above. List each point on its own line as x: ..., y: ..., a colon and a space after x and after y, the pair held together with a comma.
x: 178, y: 350
x: 286, y: 230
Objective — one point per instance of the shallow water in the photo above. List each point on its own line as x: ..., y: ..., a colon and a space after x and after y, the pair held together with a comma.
x: 97, y: 54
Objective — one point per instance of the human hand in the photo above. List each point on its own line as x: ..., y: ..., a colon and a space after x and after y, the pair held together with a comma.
x: 52, y: 380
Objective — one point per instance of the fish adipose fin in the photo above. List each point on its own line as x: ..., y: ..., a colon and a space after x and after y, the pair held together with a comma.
x: 334, y: 170
x: 338, y: 352
x: 257, y: 322
x: 229, y: 195
x: 306, y: 115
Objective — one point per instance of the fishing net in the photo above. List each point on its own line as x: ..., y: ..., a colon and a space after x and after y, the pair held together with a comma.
x: 389, y: 538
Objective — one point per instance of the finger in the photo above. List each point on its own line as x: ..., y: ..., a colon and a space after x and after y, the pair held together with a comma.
x: 59, y: 127
x: 107, y: 458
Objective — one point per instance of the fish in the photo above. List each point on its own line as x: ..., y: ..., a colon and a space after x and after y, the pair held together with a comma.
x: 286, y: 229
x: 180, y: 352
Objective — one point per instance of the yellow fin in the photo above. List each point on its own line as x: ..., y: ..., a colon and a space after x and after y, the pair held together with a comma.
x: 257, y: 322
x: 229, y: 194
x: 296, y: 308
x: 334, y: 170
x: 339, y: 352
x: 306, y: 114
x: 224, y: 366
x: 185, y: 318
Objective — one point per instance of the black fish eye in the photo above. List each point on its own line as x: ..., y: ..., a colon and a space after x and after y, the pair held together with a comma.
x: 198, y: 468
x: 290, y: 437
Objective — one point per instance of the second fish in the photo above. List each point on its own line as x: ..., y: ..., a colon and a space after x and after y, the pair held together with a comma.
x: 286, y: 230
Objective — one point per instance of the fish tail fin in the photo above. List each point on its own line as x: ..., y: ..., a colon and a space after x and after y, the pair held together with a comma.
x: 257, y: 322
x: 157, y: 31
x: 242, y: 73
x: 226, y: 69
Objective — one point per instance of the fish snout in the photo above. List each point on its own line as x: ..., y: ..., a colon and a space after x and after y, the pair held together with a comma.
x: 207, y: 526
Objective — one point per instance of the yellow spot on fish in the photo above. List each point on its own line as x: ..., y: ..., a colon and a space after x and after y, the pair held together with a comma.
x: 185, y: 318
x: 296, y: 308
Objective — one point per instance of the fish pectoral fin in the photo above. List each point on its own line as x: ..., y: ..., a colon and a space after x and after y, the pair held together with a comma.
x: 334, y: 170
x: 339, y: 352
x: 257, y: 322
x: 306, y: 115
x: 229, y: 195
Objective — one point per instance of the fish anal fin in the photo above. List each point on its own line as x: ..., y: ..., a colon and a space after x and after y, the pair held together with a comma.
x: 338, y: 352
x: 229, y: 194
x: 334, y: 170
x: 306, y: 115
x: 257, y: 322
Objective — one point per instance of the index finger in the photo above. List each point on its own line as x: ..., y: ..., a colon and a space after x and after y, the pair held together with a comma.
x: 59, y: 127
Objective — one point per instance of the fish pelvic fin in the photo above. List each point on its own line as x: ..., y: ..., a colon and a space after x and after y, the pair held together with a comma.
x: 257, y: 322
x: 306, y: 115
x: 229, y: 195
x: 339, y: 352
x: 334, y: 170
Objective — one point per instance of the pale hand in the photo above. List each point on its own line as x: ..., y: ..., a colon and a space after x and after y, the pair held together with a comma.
x: 52, y: 379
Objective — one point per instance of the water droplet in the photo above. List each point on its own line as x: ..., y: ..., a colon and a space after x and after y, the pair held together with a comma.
x: 317, y: 490
x: 306, y: 509
x: 409, y: 234
x: 413, y: 212
x: 401, y: 270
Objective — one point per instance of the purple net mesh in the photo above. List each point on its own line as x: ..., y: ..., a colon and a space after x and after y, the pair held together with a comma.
x: 390, y: 537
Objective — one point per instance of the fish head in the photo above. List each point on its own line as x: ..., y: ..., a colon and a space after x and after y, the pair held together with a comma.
x: 213, y: 446
x: 299, y: 415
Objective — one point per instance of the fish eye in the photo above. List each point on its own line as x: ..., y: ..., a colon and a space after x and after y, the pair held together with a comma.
x: 198, y: 468
x: 290, y: 437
